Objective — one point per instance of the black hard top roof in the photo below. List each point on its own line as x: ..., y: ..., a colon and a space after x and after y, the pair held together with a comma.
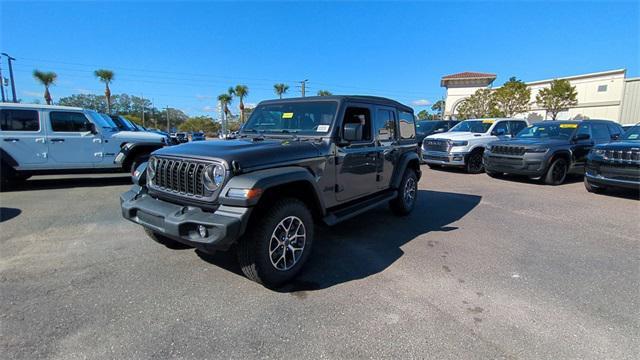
x: 340, y: 98
x: 573, y: 121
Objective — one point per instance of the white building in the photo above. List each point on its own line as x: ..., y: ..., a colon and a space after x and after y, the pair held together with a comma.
x: 602, y: 95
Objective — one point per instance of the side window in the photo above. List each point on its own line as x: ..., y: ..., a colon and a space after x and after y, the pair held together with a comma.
x: 501, y: 126
x: 583, y: 129
x: 19, y: 120
x: 615, y: 131
x: 385, y: 125
x: 62, y: 121
x: 600, y: 132
x: 406, y: 125
x: 361, y: 116
x: 516, y: 127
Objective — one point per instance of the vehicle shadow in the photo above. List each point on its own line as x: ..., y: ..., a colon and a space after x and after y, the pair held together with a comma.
x: 8, y: 213
x: 570, y: 179
x: 369, y: 243
x: 64, y: 183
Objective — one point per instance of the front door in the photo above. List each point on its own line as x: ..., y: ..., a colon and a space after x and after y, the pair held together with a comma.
x: 23, y: 137
x: 582, y: 147
x: 356, y: 161
x: 71, y: 142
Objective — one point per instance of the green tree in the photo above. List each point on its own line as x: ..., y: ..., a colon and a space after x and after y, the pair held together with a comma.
x: 241, y: 91
x: 560, y: 96
x: 225, y: 99
x: 280, y: 89
x: 200, y: 123
x: 438, y: 107
x: 512, y: 98
x: 480, y: 104
x: 106, y: 76
x: 324, y: 93
x: 423, y: 115
x: 47, y: 79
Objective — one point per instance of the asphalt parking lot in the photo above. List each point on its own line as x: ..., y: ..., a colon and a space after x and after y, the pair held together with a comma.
x: 483, y: 268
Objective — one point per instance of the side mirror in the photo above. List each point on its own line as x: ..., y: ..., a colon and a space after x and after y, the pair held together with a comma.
x: 615, y: 137
x: 580, y: 137
x: 499, y: 132
x: 352, y: 132
x: 92, y: 128
x: 438, y: 131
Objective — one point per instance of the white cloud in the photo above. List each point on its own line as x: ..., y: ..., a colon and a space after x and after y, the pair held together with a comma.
x: 209, y: 108
x: 204, y: 97
x: 250, y: 105
x: 421, y: 102
x: 84, y: 91
x: 32, y: 93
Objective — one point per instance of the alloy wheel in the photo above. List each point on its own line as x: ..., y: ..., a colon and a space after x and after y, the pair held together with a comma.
x: 287, y: 243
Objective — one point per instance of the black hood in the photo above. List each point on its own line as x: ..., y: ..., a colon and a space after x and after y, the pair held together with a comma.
x: 531, y: 142
x: 620, y: 145
x: 247, y: 153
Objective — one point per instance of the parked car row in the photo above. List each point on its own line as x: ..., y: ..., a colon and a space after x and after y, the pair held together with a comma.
x: 547, y: 150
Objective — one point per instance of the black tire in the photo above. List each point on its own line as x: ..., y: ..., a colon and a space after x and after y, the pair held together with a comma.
x: 264, y: 261
x: 405, y: 202
x: 473, y: 163
x: 493, y: 174
x: 557, y: 172
x: 592, y: 188
x: 166, y: 241
x: 434, y: 166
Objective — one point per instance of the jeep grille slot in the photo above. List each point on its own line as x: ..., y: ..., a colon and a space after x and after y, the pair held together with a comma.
x: 184, y: 177
x: 622, y: 155
x: 508, y: 150
x: 436, y: 145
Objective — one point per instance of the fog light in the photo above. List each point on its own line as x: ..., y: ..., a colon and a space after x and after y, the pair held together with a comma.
x: 202, y: 230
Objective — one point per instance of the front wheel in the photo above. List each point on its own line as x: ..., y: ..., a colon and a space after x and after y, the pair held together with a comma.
x: 277, y: 244
x: 404, y: 203
x: 474, y: 163
x: 557, y: 172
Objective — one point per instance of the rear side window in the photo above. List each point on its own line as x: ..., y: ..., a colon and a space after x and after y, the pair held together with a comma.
x: 600, y: 132
x: 516, y: 127
x: 407, y: 126
x: 19, y: 120
x: 615, y: 130
x: 62, y: 121
x: 385, y: 125
x: 502, y: 125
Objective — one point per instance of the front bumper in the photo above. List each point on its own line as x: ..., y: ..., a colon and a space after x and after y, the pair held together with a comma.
x: 602, y: 181
x: 443, y: 158
x: 531, y: 164
x: 181, y: 223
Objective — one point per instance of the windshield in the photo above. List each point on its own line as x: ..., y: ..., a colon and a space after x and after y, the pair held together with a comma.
x: 128, y: 123
x: 551, y: 131
x: 309, y: 118
x: 474, y: 126
x: 427, y: 126
x: 632, y: 134
x: 102, y: 122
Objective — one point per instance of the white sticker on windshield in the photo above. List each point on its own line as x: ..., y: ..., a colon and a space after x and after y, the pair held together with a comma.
x: 322, y: 128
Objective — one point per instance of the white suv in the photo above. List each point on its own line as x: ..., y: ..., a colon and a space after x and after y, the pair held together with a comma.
x: 44, y: 139
x: 464, y: 144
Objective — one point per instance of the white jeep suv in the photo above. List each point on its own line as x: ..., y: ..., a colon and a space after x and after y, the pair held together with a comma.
x: 44, y: 139
x: 464, y: 144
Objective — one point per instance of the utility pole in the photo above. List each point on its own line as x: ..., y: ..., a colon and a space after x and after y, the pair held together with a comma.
x: 303, y: 85
x: 13, y: 84
x: 168, y: 126
x: 2, y: 81
x: 142, y: 110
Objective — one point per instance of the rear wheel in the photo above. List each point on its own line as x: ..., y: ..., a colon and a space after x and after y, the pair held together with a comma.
x: 474, y: 162
x: 592, y: 188
x: 404, y: 203
x: 277, y: 244
x: 557, y: 172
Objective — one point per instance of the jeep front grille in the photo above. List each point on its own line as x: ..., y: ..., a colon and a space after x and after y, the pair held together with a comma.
x: 622, y: 155
x: 181, y: 177
x: 508, y: 150
x: 436, y: 145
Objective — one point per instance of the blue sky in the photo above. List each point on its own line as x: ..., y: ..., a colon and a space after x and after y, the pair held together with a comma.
x: 185, y: 54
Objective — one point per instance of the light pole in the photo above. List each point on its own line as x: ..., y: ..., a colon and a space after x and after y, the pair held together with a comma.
x: 2, y: 82
x: 13, y: 84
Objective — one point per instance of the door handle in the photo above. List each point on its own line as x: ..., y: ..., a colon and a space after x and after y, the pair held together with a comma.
x: 57, y: 140
x: 12, y: 139
x: 40, y: 140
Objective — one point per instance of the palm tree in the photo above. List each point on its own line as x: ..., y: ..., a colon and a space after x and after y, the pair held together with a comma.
x: 324, y: 93
x: 106, y: 76
x: 225, y: 100
x: 280, y: 89
x: 241, y: 91
x: 46, y: 79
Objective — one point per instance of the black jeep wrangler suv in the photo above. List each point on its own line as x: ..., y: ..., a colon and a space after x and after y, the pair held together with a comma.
x: 295, y: 161
x: 616, y: 164
x: 549, y: 149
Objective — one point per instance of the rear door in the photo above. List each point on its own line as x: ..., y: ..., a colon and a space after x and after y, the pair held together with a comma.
x: 581, y: 148
x: 71, y: 143
x: 516, y: 126
x: 23, y: 137
x: 385, y: 134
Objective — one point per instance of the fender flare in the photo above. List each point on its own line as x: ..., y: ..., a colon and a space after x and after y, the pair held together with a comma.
x: 7, y: 159
x: 266, y: 179
x: 131, y: 149
x: 403, y: 163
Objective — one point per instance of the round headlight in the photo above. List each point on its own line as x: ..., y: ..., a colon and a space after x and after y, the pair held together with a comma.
x: 151, y: 168
x: 213, y: 177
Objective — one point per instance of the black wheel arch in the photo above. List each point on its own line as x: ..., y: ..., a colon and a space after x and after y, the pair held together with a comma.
x: 407, y: 160
x: 7, y: 160
x: 131, y: 151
